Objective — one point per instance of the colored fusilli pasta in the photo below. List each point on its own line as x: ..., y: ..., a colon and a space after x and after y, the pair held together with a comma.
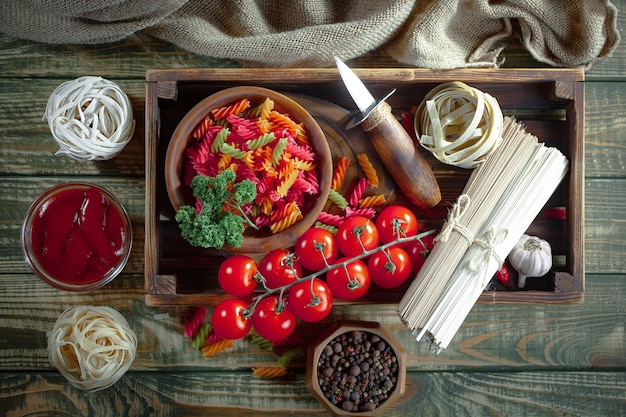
x: 262, y: 145
x: 375, y: 200
x: 368, y: 169
x: 339, y: 174
x: 269, y: 371
x: 217, y: 347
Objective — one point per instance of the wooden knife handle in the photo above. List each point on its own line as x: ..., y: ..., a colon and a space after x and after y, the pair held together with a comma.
x: 411, y: 172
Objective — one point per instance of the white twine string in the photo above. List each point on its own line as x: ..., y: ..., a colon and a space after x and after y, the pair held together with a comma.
x: 487, y: 243
x: 453, y: 223
x: 90, y: 118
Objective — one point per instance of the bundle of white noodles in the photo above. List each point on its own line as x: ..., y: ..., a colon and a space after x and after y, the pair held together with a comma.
x: 92, y: 347
x: 90, y: 118
x: 501, y: 199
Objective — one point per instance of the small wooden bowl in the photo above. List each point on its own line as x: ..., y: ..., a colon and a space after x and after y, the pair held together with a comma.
x: 254, y: 241
x: 346, y: 327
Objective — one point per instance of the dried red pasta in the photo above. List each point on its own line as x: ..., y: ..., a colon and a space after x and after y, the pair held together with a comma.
x: 358, y: 191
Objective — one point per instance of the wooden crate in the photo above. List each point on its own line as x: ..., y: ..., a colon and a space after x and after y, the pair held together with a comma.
x: 549, y: 101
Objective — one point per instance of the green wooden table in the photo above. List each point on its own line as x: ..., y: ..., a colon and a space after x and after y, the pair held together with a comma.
x: 507, y: 359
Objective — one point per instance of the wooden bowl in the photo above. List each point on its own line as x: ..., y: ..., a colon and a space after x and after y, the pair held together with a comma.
x: 263, y: 240
x: 347, y: 328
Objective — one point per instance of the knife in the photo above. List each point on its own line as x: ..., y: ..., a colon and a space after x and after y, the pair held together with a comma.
x: 411, y: 172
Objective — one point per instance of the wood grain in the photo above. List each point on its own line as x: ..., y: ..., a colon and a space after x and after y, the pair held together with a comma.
x: 228, y: 394
x: 494, y: 337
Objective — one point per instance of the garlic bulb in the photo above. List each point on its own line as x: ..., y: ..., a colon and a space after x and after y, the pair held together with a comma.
x: 531, y: 257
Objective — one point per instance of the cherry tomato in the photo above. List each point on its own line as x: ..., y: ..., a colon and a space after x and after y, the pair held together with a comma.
x: 352, y: 230
x: 228, y: 319
x: 314, y: 246
x: 349, y: 283
x: 270, y: 321
x: 236, y: 275
x: 418, y: 252
x: 279, y: 267
x: 310, y: 300
x: 390, y: 268
x: 393, y: 217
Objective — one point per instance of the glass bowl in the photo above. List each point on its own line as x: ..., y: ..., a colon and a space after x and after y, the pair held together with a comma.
x: 76, y: 236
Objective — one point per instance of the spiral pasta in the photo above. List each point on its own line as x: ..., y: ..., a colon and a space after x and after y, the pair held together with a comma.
x: 216, y: 347
x: 368, y: 169
x: 330, y: 219
x: 337, y: 198
x: 269, y: 371
x: 91, y: 346
x: 200, y: 337
x: 358, y: 191
x: 202, y: 128
x: 286, y: 221
x: 261, y: 145
x: 340, y: 172
x: 196, y: 321
x: 372, y: 201
x: 234, y: 108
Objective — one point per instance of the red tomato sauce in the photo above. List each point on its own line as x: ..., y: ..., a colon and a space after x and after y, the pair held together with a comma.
x: 78, y: 236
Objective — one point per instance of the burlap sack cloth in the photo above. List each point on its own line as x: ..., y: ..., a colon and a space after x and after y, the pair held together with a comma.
x: 308, y: 33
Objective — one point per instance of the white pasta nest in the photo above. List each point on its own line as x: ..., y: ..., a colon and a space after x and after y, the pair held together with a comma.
x: 90, y: 118
x: 92, y: 347
x: 460, y: 125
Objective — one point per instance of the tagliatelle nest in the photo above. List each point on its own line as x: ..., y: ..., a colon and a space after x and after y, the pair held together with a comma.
x: 460, y: 125
x: 92, y: 347
x: 90, y: 118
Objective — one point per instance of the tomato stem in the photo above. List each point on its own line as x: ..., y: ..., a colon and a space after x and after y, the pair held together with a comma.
x: 315, y: 300
x: 389, y: 266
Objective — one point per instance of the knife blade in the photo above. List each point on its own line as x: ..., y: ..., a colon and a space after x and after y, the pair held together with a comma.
x: 409, y: 169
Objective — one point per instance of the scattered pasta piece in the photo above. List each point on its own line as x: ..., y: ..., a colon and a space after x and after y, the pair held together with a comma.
x: 338, y: 199
x: 201, y: 336
x: 269, y: 371
x: 372, y: 201
x: 358, y: 191
x: 340, y: 173
x: 216, y: 347
x: 196, y: 321
x: 368, y: 169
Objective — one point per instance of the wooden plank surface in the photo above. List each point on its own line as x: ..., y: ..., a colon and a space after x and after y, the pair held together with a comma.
x: 586, y: 335
x: 506, y: 359
x: 227, y: 394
